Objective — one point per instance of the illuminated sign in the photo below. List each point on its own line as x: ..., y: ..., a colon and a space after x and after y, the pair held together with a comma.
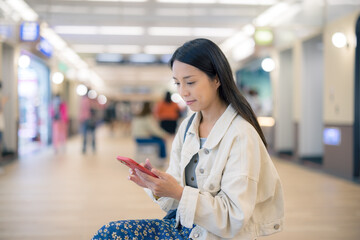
x: 263, y: 37
x: 29, y: 31
x: 45, y: 47
x: 332, y: 136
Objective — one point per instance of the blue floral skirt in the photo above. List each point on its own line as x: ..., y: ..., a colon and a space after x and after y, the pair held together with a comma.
x: 143, y: 229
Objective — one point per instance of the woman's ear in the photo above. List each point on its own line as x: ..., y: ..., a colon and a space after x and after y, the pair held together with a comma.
x: 217, y: 81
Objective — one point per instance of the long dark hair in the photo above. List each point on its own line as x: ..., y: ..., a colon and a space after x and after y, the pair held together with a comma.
x: 208, y: 57
x: 146, y: 109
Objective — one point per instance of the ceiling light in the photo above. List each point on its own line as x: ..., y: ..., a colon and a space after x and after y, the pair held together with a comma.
x: 102, y: 99
x: 92, y: 94
x: 339, y: 40
x: 268, y: 65
x: 169, y: 31
x: 248, y: 2
x: 88, y: 48
x: 58, y: 78
x: 24, y: 61
x: 23, y: 9
x: 109, y: 30
x: 188, y: 1
x: 116, y: 0
x: 249, y: 29
x: 271, y: 14
x: 78, y: 30
x: 244, y: 49
x: 213, y: 32
x: 233, y: 41
x: 153, y: 49
x: 81, y: 90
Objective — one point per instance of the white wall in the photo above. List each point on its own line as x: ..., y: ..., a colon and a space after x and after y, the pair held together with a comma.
x: 339, y: 73
x: 9, y: 80
x: 284, y: 136
x: 311, y: 120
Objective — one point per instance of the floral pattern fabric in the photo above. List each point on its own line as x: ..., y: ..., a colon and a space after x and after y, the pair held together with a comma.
x: 158, y: 229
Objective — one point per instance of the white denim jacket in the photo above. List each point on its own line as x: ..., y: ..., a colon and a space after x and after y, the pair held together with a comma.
x: 239, y: 194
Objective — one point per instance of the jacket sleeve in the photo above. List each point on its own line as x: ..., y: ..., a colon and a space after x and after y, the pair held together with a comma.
x: 226, y: 208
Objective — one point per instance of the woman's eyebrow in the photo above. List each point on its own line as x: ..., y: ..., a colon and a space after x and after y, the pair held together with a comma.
x: 184, y: 78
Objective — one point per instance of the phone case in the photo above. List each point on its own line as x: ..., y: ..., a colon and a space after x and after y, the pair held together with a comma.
x: 133, y: 165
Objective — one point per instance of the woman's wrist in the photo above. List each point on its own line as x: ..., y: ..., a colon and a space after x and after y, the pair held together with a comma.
x: 179, y: 193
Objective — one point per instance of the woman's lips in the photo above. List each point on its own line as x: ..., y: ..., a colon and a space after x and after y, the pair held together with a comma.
x: 190, y: 102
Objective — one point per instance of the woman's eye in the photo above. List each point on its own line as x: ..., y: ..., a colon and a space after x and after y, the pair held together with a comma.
x: 190, y: 83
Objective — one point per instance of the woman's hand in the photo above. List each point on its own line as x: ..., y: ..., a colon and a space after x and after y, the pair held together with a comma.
x: 164, y: 186
x: 135, y: 178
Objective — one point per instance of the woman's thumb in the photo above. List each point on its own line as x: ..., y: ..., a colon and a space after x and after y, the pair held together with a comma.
x: 148, y: 164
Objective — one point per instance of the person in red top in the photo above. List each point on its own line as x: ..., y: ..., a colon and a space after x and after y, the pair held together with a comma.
x: 168, y: 113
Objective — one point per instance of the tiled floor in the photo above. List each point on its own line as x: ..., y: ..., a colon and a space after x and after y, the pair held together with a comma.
x: 69, y: 195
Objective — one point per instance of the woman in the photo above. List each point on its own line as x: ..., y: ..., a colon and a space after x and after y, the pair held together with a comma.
x: 221, y: 179
x: 168, y: 113
x: 145, y: 129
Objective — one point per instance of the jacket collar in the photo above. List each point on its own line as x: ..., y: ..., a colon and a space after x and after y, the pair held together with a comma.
x: 219, y: 129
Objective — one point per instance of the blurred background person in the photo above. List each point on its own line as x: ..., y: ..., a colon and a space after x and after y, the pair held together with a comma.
x: 88, y: 122
x: 168, y: 113
x: 110, y: 116
x: 55, y: 114
x: 60, y: 120
x: 145, y: 129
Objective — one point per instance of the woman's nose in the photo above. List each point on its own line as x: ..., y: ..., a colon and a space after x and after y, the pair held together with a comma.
x: 183, y: 91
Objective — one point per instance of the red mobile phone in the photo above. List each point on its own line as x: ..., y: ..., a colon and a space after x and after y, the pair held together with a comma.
x: 133, y: 165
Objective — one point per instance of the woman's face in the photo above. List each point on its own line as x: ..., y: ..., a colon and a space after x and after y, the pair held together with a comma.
x: 195, y: 87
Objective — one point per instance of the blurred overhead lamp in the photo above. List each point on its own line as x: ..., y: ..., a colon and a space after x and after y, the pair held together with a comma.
x: 58, y: 78
x: 271, y: 14
x: 23, y: 9
x: 102, y: 99
x: 92, y: 94
x: 263, y: 37
x: 154, y: 49
x: 117, y: 0
x: 169, y: 31
x: 24, y: 61
x: 268, y: 65
x: 188, y: 1
x: 81, y: 90
x: 248, y: 29
x: 244, y: 49
x: 339, y: 39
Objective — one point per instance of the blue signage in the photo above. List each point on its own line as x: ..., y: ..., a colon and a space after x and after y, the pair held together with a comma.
x: 29, y: 31
x: 45, y: 47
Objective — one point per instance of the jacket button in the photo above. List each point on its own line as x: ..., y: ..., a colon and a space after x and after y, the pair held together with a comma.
x: 206, y: 151
x: 201, y: 170
x: 196, y: 235
x: 276, y: 226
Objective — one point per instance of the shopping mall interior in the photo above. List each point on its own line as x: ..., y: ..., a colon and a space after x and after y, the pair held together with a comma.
x: 297, y: 63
